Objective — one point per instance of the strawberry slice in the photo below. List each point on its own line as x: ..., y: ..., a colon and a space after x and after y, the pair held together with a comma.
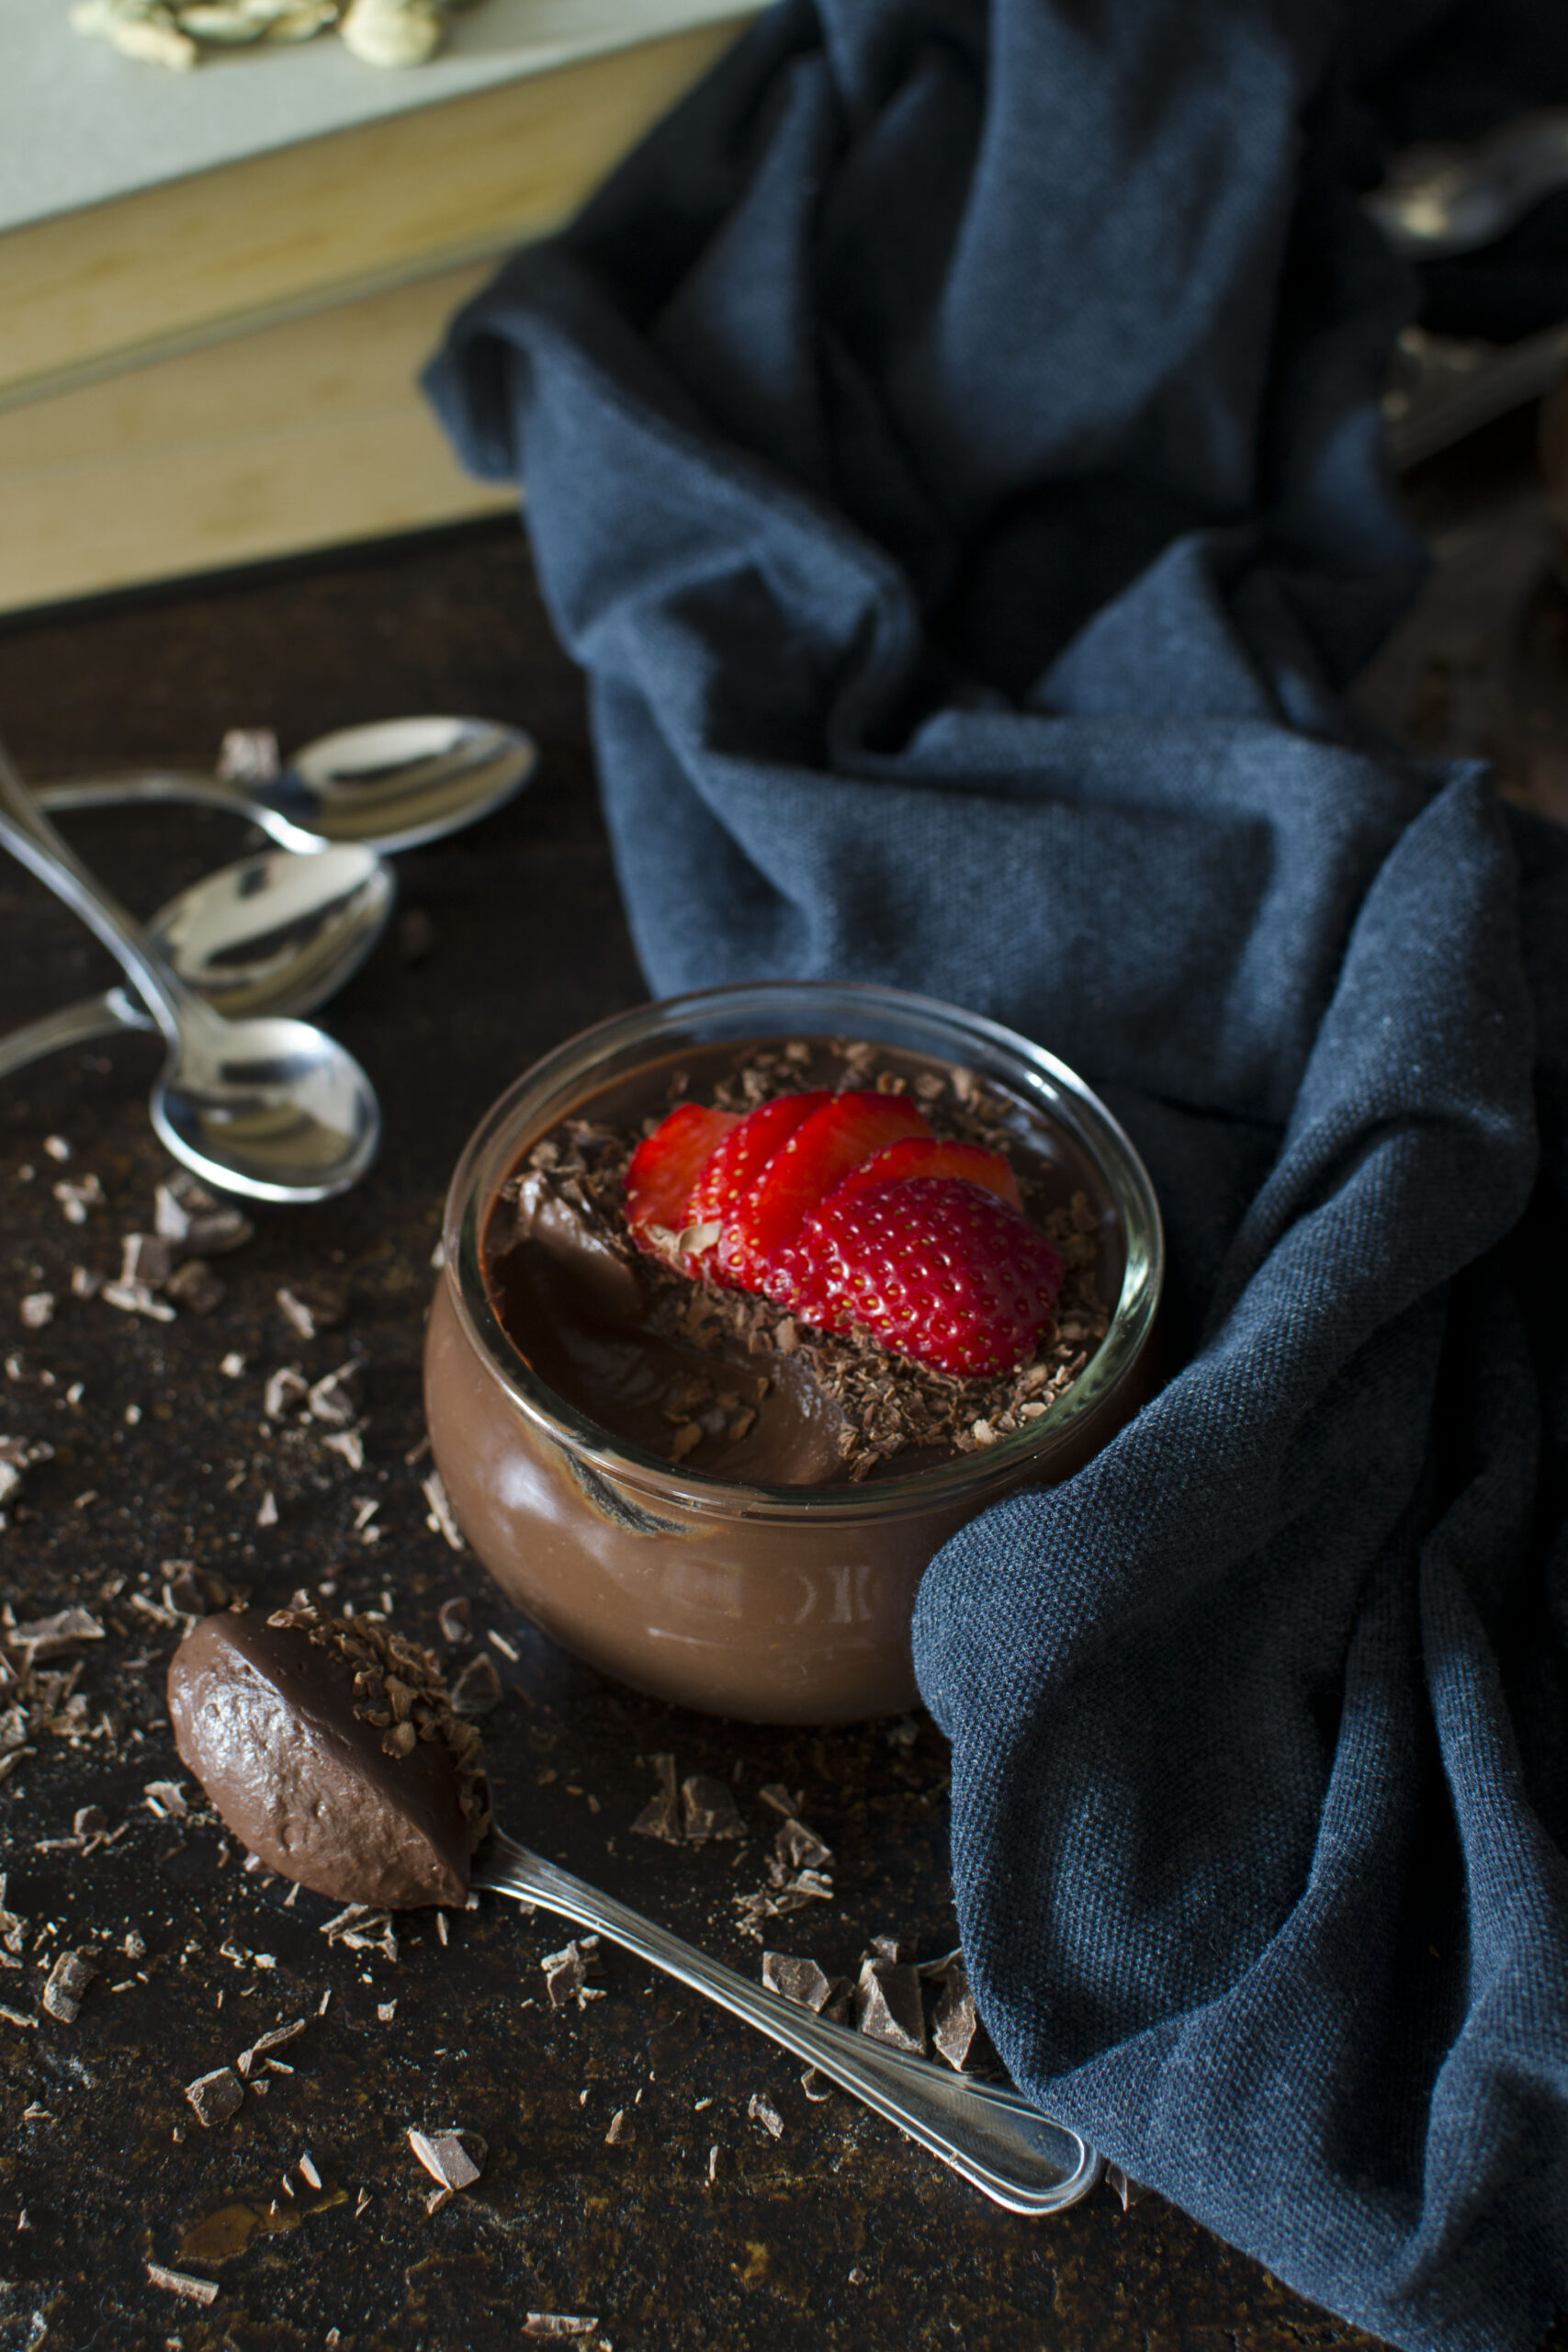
x: 934, y: 1267
x: 734, y: 1171
x: 925, y: 1155
x: 664, y: 1169
x: 836, y: 1136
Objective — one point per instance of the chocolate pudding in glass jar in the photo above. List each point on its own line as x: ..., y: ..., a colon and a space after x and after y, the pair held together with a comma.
x: 687, y: 1486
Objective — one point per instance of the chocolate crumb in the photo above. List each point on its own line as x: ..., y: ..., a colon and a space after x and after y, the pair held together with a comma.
x: 887, y: 2005
x: 762, y: 2110
x: 658, y: 1818
x: 798, y: 1980
x: 621, y: 2132
x: 710, y: 1810
x: 456, y: 1621
x: 216, y: 2096
x: 184, y: 2282
x: 955, y: 2028
x: 67, y: 1987
x: 560, y: 2323
x: 476, y: 1689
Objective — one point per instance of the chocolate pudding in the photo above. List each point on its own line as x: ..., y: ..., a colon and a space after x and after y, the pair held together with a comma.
x: 732, y: 1382
x: 329, y: 1746
x: 687, y: 1486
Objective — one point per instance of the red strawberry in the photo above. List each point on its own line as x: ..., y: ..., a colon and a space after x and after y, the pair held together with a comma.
x: 933, y: 1266
x: 733, y: 1171
x: 664, y: 1168
x: 925, y: 1155
x: 836, y: 1136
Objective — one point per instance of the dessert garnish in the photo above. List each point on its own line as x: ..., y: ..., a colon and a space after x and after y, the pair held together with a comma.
x: 329, y: 1745
x: 846, y: 1209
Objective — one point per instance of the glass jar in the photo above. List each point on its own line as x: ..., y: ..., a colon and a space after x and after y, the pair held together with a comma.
x: 787, y: 1604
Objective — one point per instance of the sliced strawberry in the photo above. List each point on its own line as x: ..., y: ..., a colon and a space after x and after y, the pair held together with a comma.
x: 836, y: 1136
x: 933, y: 1266
x: 733, y: 1173
x: 664, y: 1168
x: 925, y: 1155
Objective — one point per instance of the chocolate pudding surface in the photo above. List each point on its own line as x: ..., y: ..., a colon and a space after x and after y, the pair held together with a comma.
x: 291, y: 1723
x: 726, y: 1381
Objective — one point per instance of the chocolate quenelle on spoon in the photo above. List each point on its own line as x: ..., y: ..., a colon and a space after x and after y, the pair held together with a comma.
x: 329, y: 1747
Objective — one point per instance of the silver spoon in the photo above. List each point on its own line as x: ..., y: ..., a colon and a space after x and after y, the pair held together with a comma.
x: 273, y: 933
x: 994, y: 2138
x: 1441, y: 199
x: 388, y: 786
x: 270, y: 1108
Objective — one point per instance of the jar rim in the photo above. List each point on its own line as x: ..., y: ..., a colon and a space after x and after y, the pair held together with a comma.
x: 538, y: 1098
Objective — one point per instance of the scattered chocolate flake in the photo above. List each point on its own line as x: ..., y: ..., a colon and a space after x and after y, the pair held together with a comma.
x: 453, y: 2158
x: 455, y: 1620
x: 146, y: 1259
x: 136, y: 1298
x: 312, y: 1306
x: 709, y: 1810
x: 286, y: 1391
x: 621, y: 2132
x: 797, y: 1979
x: 560, y: 2323
x: 799, y: 1848
x: 196, y: 1285
x: 76, y: 1197
x: 184, y: 2282
x: 45, y: 1637
x: 476, y: 1689
x: 958, y: 2034
x: 266, y: 1516
x: 335, y: 1397
x: 762, y: 2110
x: 441, y: 1521
x: 166, y: 1798
x: 1129, y: 2192
x: 16, y: 2018
x: 817, y: 2087
x: 216, y: 2096
x: 308, y: 2172
x: 13, y: 1929
x: 67, y: 1987
x: 659, y: 1817
x: 887, y: 2005
x: 38, y: 1310
x: 279, y: 2036
x: 566, y: 1972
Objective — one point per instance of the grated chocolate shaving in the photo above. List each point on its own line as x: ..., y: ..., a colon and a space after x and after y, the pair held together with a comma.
x: 400, y: 1691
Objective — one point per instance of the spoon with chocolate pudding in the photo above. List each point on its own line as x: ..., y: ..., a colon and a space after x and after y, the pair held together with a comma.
x: 329, y: 1745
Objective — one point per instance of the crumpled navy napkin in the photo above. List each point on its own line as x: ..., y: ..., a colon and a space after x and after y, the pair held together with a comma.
x: 951, y: 446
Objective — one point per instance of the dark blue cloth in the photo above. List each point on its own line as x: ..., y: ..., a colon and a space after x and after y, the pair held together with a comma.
x: 952, y: 449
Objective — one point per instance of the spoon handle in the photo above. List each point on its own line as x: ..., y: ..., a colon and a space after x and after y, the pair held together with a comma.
x: 108, y: 1015
x: 26, y: 832
x: 146, y: 785
x: 994, y: 2138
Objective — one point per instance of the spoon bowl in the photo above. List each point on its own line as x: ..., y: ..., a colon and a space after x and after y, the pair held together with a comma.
x: 387, y: 786
x: 266, y: 1106
x: 271, y: 1108
x: 271, y: 933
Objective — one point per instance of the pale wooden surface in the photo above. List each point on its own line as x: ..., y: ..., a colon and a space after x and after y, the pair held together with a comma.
x: 310, y: 434
x: 257, y: 242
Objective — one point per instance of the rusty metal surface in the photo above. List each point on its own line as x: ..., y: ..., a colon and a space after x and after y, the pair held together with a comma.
x: 833, y: 2233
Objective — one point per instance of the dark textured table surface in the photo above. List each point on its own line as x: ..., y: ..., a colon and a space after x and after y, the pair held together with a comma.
x: 698, y: 2227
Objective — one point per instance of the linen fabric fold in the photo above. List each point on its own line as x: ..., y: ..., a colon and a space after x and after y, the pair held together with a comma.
x: 952, y: 449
